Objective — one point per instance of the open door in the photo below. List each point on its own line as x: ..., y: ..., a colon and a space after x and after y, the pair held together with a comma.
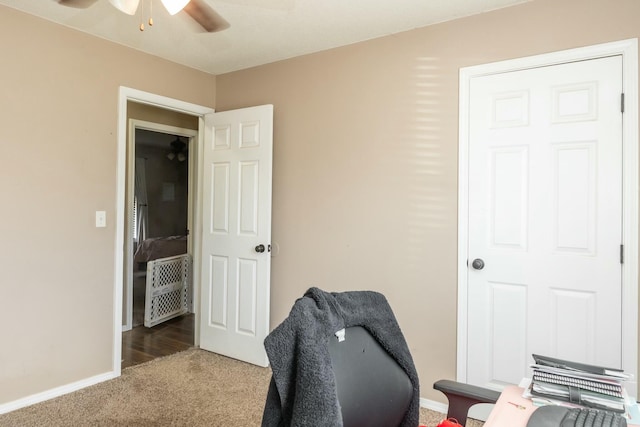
x: 236, y: 233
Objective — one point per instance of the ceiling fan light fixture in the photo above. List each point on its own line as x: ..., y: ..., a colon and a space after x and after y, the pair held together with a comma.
x: 174, y: 6
x: 127, y: 6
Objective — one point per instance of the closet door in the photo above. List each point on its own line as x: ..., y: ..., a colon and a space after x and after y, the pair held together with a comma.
x: 545, y: 218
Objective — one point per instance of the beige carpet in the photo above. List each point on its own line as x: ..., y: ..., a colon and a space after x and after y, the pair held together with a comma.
x: 192, y: 388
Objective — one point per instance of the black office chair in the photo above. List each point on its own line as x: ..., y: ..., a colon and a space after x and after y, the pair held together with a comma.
x: 367, y: 379
x: 372, y: 389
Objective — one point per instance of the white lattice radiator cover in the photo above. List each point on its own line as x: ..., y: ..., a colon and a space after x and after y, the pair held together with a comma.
x: 168, y: 289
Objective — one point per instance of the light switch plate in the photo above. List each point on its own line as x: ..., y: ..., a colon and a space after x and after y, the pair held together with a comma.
x: 101, y: 219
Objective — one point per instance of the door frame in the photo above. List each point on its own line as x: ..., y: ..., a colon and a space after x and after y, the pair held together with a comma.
x: 629, y: 51
x: 192, y: 135
x: 125, y: 95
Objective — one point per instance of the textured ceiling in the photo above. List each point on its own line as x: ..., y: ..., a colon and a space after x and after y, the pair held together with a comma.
x: 261, y: 31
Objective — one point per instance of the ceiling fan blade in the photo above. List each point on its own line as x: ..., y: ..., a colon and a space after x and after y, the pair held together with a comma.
x: 127, y: 6
x: 174, y: 6
x: 204, y: 15
x: 80, y: 4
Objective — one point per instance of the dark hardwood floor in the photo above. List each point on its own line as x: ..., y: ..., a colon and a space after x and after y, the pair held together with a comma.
x: 142, y: 344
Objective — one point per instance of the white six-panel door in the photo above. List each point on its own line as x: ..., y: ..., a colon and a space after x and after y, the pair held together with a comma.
x: 236, y: 233
x: 545, y: 217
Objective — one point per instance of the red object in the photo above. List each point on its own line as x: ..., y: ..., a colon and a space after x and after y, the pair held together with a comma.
x: 451, y: 422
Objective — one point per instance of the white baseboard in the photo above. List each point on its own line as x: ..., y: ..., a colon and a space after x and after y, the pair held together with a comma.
x: 433, y: 405
x: 55, y: 392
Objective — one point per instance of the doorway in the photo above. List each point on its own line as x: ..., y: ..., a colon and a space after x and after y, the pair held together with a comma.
x: 234, y: 132
x: 573, y: 102
x: 159, y: 205
x: 158, y: 218
x: 148, y: 107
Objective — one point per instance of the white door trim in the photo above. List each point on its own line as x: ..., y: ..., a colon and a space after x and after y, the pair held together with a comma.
x: 134, y: 124
x: 629, y: 51
x: 128, y: 94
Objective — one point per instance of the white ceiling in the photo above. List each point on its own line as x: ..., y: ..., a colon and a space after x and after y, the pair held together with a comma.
x: 262, y: 31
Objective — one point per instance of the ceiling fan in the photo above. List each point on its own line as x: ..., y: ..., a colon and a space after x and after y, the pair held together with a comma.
x: 199, y: 10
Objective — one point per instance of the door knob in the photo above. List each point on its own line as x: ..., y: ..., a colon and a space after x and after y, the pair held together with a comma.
x: 478, y: 264
x: 260, y: 249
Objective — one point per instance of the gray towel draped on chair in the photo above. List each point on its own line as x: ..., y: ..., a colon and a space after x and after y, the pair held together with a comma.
x: 302, y: 391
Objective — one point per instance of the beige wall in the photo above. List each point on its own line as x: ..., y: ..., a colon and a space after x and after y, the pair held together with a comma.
x: 365, y: 158
x: 365, y: 171
x: 58, y: 130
